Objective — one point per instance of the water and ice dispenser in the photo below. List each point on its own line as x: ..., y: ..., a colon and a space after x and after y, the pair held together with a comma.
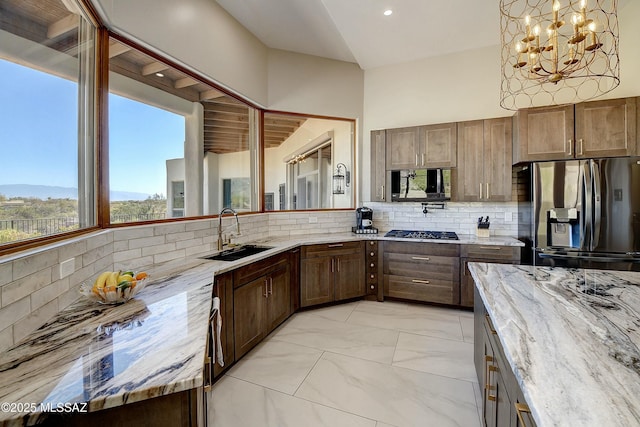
x: 563, y: 227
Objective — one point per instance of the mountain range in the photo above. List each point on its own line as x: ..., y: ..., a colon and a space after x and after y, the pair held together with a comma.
x: 44, y: 192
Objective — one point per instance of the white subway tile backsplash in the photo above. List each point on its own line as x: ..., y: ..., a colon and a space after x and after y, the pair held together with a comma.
x: 6, y: 338
x: 146, y: 242
x: 6, y: 273
x: 129, y: 233
x: 28, y: 265
x: 49, y: 293
x: 12, y: 312
x: 158, y: 249
x: 125, y: 255
x: 167, y: 256
x: 25, y: 286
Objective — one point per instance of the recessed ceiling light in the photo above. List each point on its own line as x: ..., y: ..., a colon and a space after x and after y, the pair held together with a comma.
x: 388, y: 12
x: 159, y: 74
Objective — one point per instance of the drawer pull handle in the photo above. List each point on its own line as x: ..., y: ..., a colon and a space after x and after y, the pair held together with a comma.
x: 491, y: 248
x: 424, y: 282
x: 490, y: 325
x: 520, y: 408
x: 487, y: 359
x: 491, y: 397
x: 336, y: 245
x: 420, y: 258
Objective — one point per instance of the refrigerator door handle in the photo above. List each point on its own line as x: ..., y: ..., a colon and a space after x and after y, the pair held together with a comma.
x: 586, y: 208
x: 597, y: 205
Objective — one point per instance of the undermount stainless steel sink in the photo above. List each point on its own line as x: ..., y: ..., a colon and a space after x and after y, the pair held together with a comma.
x: 237, y: 253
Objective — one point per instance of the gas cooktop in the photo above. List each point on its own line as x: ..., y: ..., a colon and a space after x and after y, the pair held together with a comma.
x: 409, y: 234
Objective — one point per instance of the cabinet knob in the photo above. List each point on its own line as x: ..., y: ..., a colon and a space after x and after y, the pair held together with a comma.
x: 373, y: 287
x: 373, y: 276
x: 372, y: 243
x: 372, y: 265
x: 372, y: 253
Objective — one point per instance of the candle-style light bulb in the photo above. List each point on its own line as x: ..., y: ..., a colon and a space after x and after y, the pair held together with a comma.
x: 556, y: 8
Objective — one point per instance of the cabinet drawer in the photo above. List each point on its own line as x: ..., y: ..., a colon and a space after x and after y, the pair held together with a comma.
x: 422, y: 266
x: 441, y: 249
x: 331, y: 249
x: 429, y: 290
x: 509, y: 253
x: 259, y: 268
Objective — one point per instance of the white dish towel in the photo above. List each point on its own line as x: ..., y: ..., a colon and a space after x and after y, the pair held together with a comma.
x: 216, y: 325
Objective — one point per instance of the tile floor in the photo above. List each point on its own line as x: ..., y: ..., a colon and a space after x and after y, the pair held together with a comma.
x: 358, y: 364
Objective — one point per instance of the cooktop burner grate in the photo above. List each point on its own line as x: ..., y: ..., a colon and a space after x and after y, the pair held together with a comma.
x: 413, y: 234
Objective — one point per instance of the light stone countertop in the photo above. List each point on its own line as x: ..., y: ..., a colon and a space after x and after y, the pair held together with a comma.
x: 572, y: 338
x: 150, y: 346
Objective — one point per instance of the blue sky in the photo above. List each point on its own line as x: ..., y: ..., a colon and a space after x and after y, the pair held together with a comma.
x: 38, y: 134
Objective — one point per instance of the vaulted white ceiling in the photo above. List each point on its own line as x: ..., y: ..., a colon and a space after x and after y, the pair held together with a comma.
x: 357, y: 31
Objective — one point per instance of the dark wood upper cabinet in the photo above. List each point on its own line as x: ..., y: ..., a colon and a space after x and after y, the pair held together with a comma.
x: 432, y: 146
x: 586, y: 130
x: 484, y: 160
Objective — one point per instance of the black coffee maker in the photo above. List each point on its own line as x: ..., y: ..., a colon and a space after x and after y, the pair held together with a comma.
x: 364, y: 218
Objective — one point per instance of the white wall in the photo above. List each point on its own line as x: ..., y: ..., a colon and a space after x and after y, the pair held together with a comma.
x: 199, y: 33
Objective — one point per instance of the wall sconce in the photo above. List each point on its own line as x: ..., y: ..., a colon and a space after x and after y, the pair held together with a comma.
x: 341, y: 179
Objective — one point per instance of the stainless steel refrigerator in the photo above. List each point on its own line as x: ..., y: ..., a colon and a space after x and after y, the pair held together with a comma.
x: 586, y: 213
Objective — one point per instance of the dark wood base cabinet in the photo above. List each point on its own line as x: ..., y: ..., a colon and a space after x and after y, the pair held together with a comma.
x: 261, y: 300
x: 427, y: 272
x: 182, y: 409
x: 331, y: 272
x: 482, y: 253
x: 503, y: 403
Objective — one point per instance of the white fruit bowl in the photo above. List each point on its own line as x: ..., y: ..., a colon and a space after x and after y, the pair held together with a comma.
x: 112, y: 296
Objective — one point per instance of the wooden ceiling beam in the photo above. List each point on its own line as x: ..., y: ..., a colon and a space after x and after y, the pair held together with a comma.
x: 184, y: 82
x: 154, y: 67
x: 63, y: 26
x: 116, y: 49
x: 211, y: 94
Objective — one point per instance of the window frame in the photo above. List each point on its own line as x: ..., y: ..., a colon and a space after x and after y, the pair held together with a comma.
x: 101, y: 141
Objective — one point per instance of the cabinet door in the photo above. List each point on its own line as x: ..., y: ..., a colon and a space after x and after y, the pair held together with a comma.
x: 467, y: 284
x: 545, y: 134
x: 279, y: 297
x: 378, y: 170
x: 469, y: 183
x: 438, y: 145
x: 316, y: 281
x: 497, y: 148
x: 349, y: 276
x: 489, y: 410
x: 503, y: 403
x: 403, y: 148
x: 249, y: 315
x: 606, y: 128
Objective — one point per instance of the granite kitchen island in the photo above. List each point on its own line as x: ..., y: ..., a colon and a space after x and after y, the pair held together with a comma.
x: 571, y: 337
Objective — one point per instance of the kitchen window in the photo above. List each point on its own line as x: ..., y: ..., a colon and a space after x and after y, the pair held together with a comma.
x: 47, y: 63
x: 165, y: 127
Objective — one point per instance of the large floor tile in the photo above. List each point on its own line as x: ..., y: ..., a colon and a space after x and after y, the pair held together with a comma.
x: 339, y: 313
x: 417, y: 319
x: 390, y: 394
x: 467, y: 328
x: 453, y: 359
x: 364, y: 342
x: 236, y: 403
x: 277, y: 365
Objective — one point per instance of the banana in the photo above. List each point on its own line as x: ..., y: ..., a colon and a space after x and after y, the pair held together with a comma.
x: 112, y: 279
x: 125, y: 277
x: 101, y: 280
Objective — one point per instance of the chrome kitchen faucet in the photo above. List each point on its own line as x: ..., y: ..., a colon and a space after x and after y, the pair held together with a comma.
x: 221, y: 241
